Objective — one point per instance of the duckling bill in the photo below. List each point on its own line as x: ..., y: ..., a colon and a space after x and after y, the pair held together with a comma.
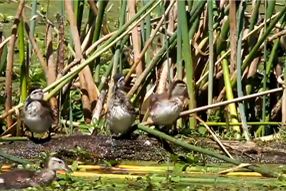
x: 120, y: 112
x: 37, y: 113
x: 23, y: 178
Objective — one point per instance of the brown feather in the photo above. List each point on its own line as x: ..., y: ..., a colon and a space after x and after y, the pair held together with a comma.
x: 46, y: 105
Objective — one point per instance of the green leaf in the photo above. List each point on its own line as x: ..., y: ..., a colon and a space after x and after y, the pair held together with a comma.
x: 74, y: 165
x: 202, y: 130
x: 179, y: 168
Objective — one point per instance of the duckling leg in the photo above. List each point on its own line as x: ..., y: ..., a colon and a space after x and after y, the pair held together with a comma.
x: 167, y: 146
x: 164, y: 143
x: 128, y: 135
x: 49, y: 137
x: 50, y: 131
x: 33, y: 139
x: 41, y: 140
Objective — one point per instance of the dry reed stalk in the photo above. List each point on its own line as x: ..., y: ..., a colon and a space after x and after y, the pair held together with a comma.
x: 244, y: 38
x: 167, y: 63
x: 8, y: 80
x: 277, y: 35
x: 60, y: 49
x: 91, y: 88
x: 2, y: 43
x: 98, y: 109
x: 95, y: 11
x: 67, y: 122
x: 233, y: 36
x: 35, y: 46
x: 98, y: 42
x: 68, y: 68
x: 275, y: 137
x: 214, y: 136
x: 135, y: 36
x: 276, y: 108
x: 219, y: 104
x: 51, y: 69
x: 84, y: 98
x: 148, y: 43
x: 87, y: 38
x: 253, y: 67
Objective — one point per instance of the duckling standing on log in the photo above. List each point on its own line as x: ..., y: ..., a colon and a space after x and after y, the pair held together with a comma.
x: 23, y: 178
x: 120, y: 112
x: 165, y: 108
x: 37, y: 113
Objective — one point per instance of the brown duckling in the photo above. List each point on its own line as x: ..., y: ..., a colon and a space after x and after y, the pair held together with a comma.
x: 37, y: 113
x: 120, y: 112
x: 165, y: 108
x: 23, y: 178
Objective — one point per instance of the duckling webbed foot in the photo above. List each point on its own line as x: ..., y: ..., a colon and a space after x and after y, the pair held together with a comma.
x: 40, y: 140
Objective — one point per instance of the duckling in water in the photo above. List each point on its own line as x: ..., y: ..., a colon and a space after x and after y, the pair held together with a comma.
x: 120, y: 112
x: 23, y: 178
x: 37, y: 113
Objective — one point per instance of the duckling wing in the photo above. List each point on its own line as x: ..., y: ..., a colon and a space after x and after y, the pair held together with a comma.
x: 155, y: 98
x: 130, y: 107
x: 47, y: 110
x: 43, y: 177
x: 125, y: 102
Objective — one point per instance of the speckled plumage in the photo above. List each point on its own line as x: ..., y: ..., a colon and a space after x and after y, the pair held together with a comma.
x: 120, y: 112
x: 37, y: 113
x: 165, y: 108
x: 23, y: 178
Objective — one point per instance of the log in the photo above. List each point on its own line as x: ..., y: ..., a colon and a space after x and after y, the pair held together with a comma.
x: 96, y: 147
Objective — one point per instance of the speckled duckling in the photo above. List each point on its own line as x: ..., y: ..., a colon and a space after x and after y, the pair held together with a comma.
x: 23, y: 178
x: 165, y: 108
x: 37, y: 113
x: 120, y: 112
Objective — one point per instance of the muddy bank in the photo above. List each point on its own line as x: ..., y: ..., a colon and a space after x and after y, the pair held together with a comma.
x: 96, y: 148
x: 91, y: 147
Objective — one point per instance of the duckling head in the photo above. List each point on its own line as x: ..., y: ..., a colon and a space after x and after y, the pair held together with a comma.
x: 178, y: 88
x: 119, y: 81
x: 36, y: 94
x: 56, y: 163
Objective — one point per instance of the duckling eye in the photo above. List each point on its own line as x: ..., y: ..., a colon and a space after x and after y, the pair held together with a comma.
x: 121, y: 80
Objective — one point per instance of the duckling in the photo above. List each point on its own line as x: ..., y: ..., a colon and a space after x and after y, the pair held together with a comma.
x: 37, y: 113
x: 165, y: 108
x: 120, y: 112
x: 23, y: 178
